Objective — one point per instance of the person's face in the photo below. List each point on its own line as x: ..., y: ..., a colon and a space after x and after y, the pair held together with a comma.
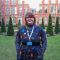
x: 30, y: 21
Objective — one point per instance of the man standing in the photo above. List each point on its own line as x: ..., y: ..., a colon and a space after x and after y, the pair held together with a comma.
x: 30, y: 40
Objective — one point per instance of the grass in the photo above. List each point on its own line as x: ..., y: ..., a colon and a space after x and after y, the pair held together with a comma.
x: 53, y: 48
x: 8, y: 52
x: 7, y: 48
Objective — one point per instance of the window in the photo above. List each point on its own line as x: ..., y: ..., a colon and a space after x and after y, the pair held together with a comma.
x: 7, y: 2
x: 45, y: 9
x: 52, y: 9
x: 58, y: 9
x: 13, y: 20
x: 13, y: 2
x: 20, y: 11
x: 2, y: 3
x: 7, y: 10
x: 40, y: 10
x: 13, y: 10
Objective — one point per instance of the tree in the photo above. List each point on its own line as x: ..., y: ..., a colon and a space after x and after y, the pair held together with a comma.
x: 0, y: 23
x: 19, y: 24
x: 50, y: 27
x: 10, y: 31
x: 57, y: 25
x: 3, y: 29
x: 43, y: 24
x: 0, y: 18
x: 59, y: 28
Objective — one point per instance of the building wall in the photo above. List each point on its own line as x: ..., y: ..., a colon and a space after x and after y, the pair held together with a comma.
x: 14, y: 9
x: 17, y: 11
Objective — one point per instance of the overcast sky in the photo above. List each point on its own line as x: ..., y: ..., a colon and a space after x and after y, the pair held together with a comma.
x: 35, y: 3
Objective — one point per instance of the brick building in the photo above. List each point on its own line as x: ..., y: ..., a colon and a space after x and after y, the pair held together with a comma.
x: 17, y: 11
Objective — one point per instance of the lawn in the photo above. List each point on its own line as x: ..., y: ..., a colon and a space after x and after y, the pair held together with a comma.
x: 8, y: 52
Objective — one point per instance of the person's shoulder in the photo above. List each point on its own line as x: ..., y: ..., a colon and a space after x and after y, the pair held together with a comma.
x: 38, y: 27
x: 21, y: 27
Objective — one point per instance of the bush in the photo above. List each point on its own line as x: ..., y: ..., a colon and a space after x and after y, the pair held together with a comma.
x: 43, y: 24
x: 19, y: 24
x: 3, y: 29
x: 10, y: 31
x: 57, y: 25
x: 50, y: 27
